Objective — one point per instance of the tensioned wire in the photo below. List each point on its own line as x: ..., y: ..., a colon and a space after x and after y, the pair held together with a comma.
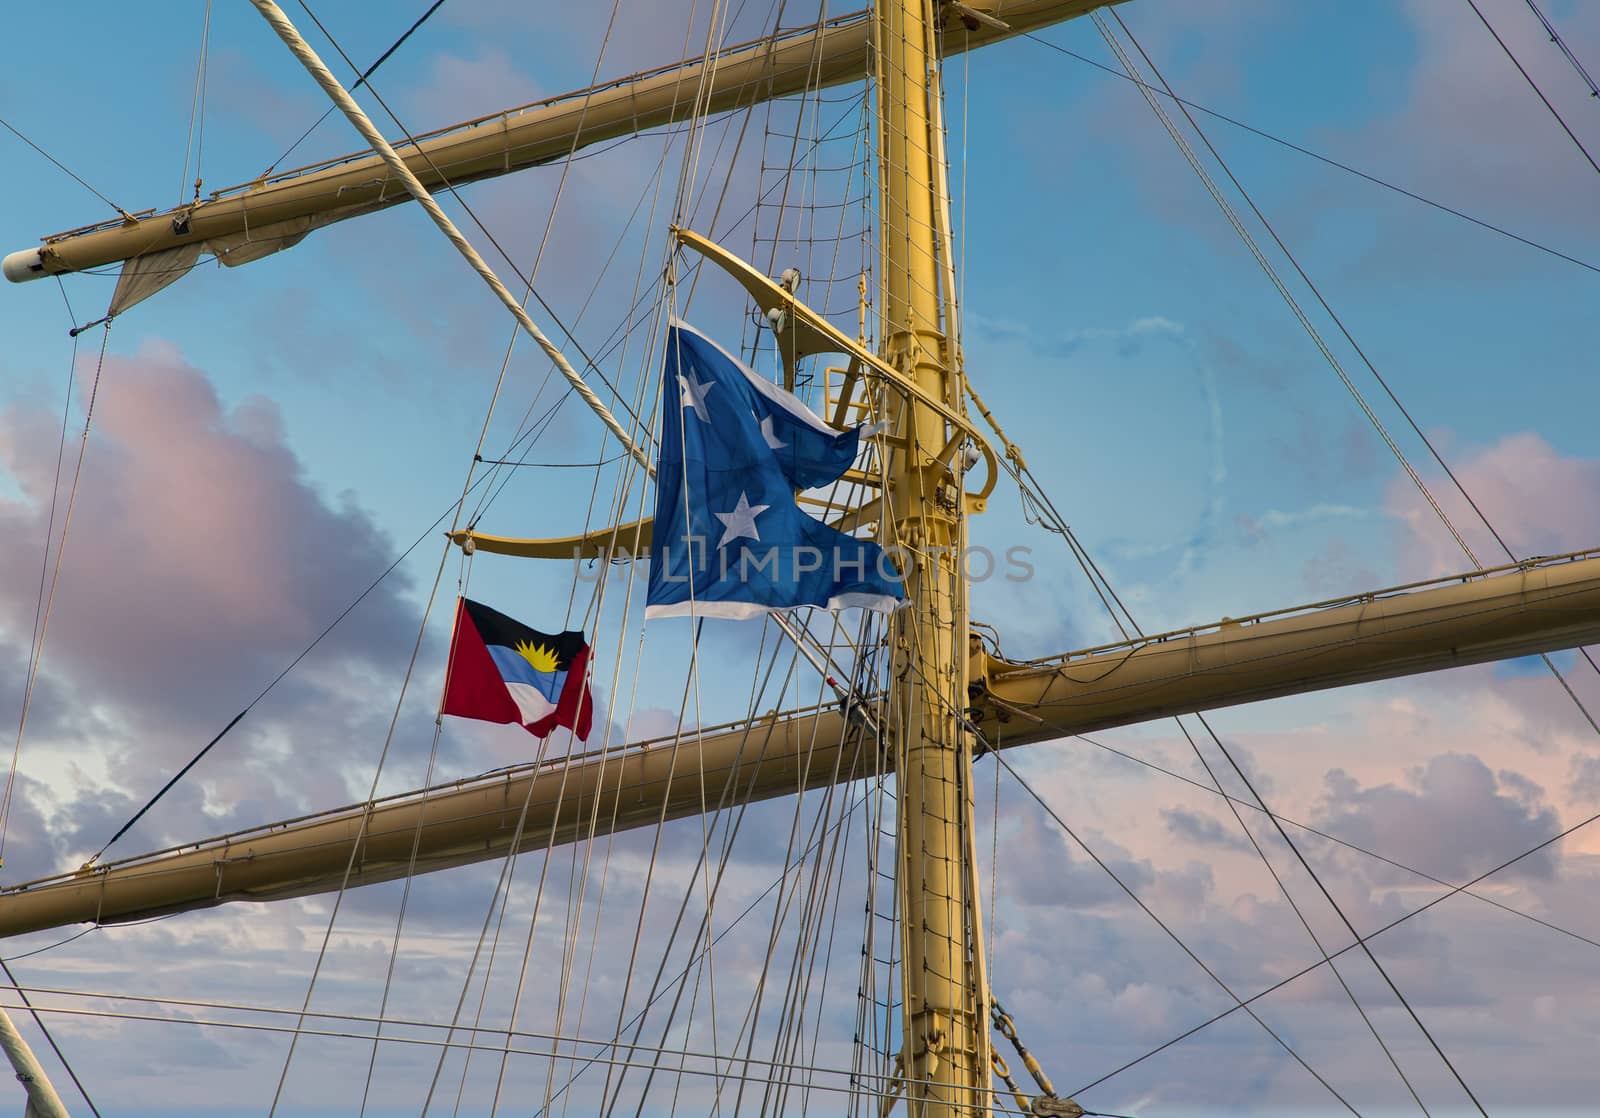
x: 478, y: 455
x: 589, y: 668
x: 42, y: 622
x: 197, y: 111
x: 1052, y: 521
x: 44, y: 573
x: 1164, y: 926
x: 1294, y: 906
x: 641, y: 311
x: 1338, y: 322
x: 619, y: 499
x: 1561, y: 44
x: 418, y: 1042
x: 814, y: 846
x: 688, y: 175
x: 1359, y: 941
x: 692, y: 142
x: 795, y: 1005
x: 1329, y: 161
x: 416, y: 650
x: 1533, y: 85
x: 1355, y: 847
x: 1281, y: 983
x: 1416, y: 479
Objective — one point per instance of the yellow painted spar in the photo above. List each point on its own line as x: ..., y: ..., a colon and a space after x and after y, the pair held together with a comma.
x: 1541, y: 607
x: 632, y: 538
x: 244, y: 222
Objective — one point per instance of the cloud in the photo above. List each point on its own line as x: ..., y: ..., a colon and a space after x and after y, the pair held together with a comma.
x: 1540, y: 501
x: 1456, y: 819
x: 200, y: 561
x: 1193, y: 829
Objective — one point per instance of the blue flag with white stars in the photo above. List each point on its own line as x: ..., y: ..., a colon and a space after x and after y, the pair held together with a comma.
x: 729, y: 539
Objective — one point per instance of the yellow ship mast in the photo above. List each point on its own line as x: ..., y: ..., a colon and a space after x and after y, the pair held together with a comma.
x: 944, y: 1052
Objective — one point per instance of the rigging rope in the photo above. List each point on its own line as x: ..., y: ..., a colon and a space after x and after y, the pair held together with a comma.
x: 43, y: 619
x: 1331, y: 162
x: 197, y: 111
x: 1357, y: 848
x: 1239, y: 1003
x: 1533, y: 85
x: 1383, y: 383
x: 54, y: 1047
x: 1281, y: 983
x: 63, y: 167
x: 1561, y: 44
x: 1299, y: 914
x: 359, y: 82
x: 277, y: 679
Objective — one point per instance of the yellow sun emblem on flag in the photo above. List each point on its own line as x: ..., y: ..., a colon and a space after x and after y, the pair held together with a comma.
x: 541, y: 658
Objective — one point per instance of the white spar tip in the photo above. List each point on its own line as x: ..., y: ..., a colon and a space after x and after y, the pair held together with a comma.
x: 20, y: 267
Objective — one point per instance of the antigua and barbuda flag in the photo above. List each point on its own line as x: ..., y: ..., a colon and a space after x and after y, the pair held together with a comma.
x: 502, y: 671
x: 729, y: 539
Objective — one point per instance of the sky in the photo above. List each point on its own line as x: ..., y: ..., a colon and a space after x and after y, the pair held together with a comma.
x: 267, y: 441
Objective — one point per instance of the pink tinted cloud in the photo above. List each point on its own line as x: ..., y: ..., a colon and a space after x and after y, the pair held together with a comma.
x: 199, y: 551
x: 1540, y: 502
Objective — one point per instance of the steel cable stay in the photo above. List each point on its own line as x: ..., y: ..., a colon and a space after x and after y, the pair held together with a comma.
x: 644, y: 302
x: 277, y: 679
x: 595, y: 605
x: 1355, y: 847
x: 1533, y: 85
x: 691, y: 681
x: 1283, y: 888
x: 1051, y: 519
x: 42, y: 616
x: 1239, y: 1003
x: 528, y: 435
x: 522, y: 278
x: 1328, y: 160
x: 1561, y: 45
x: 69, y: 172
x: 709, y: 1072
x: 1281, y: 983
x: 197, y: 111
x: 1249, y: 242
x: 1132, y: 73
x: 359, y: 82
x: 657, y: 990
x: 1054, y: 523
x: 34, y: 647
x: 49, y: 1038
x: 786, y: 1045
x: 1127, y: 64
x: 1338, y: 909
x: 285, y: 30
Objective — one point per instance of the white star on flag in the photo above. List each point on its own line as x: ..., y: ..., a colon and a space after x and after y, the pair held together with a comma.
x: 770, y: 435
x: 741, y: 522
x: 694, y: 395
